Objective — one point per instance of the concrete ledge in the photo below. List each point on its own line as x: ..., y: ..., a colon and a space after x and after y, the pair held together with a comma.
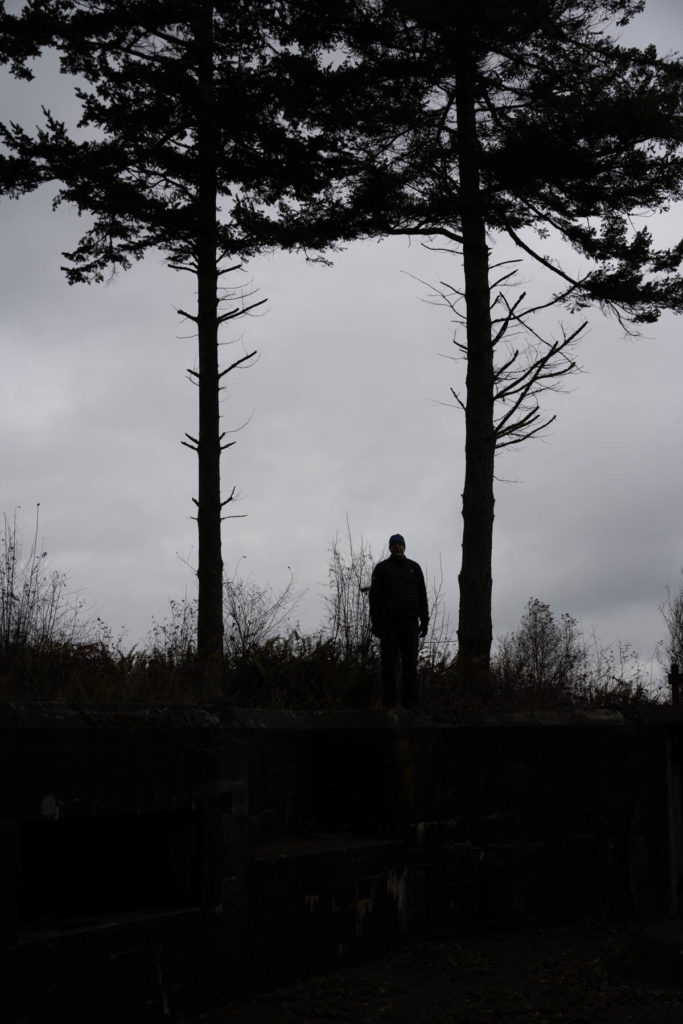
x: 127, y: 969
x: 55, y: 714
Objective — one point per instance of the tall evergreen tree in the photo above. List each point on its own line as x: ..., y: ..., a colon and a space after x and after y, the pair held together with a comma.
x: 529, y: 120
x: 189, y: 107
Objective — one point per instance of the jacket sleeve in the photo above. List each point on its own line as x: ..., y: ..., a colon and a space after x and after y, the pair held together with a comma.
x: 424, y: 606
x: 375, y: 596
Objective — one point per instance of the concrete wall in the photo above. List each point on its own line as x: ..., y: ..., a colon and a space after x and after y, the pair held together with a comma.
x: 156, y: 859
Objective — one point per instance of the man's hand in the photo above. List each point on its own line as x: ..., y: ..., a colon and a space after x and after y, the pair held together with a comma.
x: 424, y: 628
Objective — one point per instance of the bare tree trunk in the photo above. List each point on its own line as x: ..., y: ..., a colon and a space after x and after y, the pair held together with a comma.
x: 474, y: 623
x: 210, y: 561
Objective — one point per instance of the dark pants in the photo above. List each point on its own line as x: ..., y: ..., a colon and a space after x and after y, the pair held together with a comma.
x: 399, y: 637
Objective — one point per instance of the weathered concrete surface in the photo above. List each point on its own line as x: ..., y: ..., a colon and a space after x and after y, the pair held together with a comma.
x: 152, y: 859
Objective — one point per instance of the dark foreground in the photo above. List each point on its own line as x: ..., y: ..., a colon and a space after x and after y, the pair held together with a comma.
x: 569, y: 974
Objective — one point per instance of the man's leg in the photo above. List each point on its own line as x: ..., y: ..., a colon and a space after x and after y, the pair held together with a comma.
x: 389, y: 645
x: 409, y: 641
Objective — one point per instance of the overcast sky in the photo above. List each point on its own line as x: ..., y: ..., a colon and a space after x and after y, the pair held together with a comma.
x: 345, y: 420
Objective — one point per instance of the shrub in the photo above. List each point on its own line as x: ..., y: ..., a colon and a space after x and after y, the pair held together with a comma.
x: 672, y: 645
x: 547, y: 662
x: 36, y: 607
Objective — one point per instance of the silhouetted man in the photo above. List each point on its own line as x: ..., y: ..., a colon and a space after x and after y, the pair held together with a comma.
x: 399, y: 615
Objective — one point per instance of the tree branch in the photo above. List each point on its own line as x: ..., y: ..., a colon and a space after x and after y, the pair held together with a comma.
x: 238, y: 362
x: 188, y: 316
x: 429, y: 232
x: 541, y: 259
x: 527, y: 436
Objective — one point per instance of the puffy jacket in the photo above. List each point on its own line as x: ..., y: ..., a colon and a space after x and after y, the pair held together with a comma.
x: 398, y: 591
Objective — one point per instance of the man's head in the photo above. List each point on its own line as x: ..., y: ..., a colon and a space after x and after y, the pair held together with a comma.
x: 397, y: 545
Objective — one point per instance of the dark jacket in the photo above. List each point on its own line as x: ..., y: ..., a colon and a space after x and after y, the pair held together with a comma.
x: 398, y: 592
